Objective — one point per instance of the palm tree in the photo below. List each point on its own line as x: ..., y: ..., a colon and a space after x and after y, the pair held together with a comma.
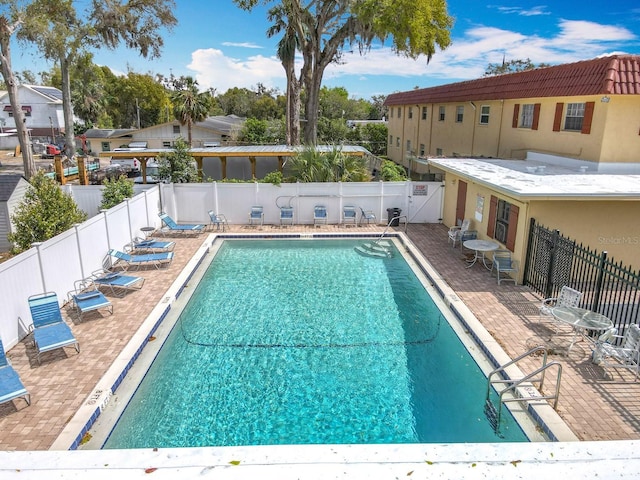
x: 190, y: 105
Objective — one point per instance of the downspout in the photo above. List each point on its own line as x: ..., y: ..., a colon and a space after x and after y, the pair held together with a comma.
x: 404, y: 116
x: 431, y: 129
x: 473, y: 131
x: 500, y: 128
x: 417, y: 148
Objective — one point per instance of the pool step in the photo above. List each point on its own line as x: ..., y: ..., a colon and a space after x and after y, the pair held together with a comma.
x: 375, y: 249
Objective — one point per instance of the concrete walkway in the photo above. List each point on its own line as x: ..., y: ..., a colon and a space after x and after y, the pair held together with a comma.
x: 595, y: 408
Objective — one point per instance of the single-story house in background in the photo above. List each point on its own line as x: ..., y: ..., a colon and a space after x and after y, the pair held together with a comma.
x: 558, y: 144
x: 12, y: 191
x: 105, y: 139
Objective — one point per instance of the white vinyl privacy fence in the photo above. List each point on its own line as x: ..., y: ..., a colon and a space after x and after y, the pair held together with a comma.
x: 54, y: 265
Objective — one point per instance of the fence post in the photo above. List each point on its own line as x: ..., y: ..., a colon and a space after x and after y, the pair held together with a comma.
x: 548, y: 290
x: 598, y: 290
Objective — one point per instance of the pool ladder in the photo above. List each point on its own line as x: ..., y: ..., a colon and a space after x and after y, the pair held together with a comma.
x: 524, y: 393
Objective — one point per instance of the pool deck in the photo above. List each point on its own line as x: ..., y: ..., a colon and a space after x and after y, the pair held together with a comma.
x: 595, y: 408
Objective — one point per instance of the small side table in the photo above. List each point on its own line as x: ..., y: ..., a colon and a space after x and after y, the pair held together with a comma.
x: 147, y: 231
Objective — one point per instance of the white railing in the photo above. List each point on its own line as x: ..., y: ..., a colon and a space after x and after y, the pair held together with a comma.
x: 56, y: 264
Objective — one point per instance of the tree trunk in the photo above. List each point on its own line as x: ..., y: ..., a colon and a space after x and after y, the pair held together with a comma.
x: 312, y: 88
x: 67, y: 109
x: 28, y: 162
x: 293, y: 111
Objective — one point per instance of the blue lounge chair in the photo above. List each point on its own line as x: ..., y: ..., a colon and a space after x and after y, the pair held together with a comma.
x: 149, y: 245
x: 256, y: 215
x: 286, y: 215
x: 126, y: 260
x: 50, y: 332
x: 117, y: 283
x: 87, y: 298
x: 172, y: 226
x: 349, y: 215
x: 10, y: 384
x: 319, y: 214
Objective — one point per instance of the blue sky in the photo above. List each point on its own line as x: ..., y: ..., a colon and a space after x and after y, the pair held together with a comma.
x: 223, y: 46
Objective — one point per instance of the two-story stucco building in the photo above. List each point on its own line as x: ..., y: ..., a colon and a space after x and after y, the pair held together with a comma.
x: 560, y: 145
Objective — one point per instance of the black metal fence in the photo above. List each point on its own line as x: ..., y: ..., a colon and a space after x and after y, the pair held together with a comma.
x: 609, y: 288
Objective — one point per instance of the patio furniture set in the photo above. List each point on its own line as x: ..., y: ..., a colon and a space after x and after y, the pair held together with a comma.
x: 320, y: 216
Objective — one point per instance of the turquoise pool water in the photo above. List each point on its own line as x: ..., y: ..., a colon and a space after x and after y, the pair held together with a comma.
x: 308, y: 342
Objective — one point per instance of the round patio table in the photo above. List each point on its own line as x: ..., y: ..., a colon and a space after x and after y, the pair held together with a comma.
x: 581, y: 320
x: 480, y: 247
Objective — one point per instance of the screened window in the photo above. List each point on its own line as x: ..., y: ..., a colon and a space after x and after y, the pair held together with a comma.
x: 424, y: 113
x: 574, y: 117
x: 526, y: 117
x: 166, y: 144
x: 390, y: 139
x: 399, y: 112
x: 408, y: 146
x: 410, y: 114
x: 459, y: 113
x: 397, y: 141
x: 422, y: 149
x: 105, y: 146
x: 176, y: 129
x: 484, y: 114
x: 441, y: 113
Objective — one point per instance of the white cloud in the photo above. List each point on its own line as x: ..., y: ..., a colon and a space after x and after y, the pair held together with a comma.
x: 241, y: 45
x: 531, y: 12
x: 215, y: 70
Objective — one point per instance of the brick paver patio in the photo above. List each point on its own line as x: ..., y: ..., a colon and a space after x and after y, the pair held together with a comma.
x: 594, y: 407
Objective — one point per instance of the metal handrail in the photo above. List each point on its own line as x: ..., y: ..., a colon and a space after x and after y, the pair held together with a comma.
x: 513, y: 384
x: 393, y: 219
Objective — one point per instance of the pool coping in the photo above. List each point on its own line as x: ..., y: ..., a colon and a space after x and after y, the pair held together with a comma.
x: 85, y: 417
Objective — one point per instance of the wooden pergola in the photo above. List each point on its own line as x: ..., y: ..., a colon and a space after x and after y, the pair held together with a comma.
x: 224, y: 153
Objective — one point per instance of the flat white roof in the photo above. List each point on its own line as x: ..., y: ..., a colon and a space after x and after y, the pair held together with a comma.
x: 551, y: 177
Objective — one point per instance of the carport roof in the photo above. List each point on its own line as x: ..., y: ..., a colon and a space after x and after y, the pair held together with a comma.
x: 244, y: 151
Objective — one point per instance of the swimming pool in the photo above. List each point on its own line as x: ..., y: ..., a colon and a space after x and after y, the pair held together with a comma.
x: 305, y: 341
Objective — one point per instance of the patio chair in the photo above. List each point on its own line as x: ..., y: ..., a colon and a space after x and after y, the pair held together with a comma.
x: 319, y: 214
x: 127, y: 260
x: 367, y: 215
x: 117, y: 283
x: 286, y: 215
x: 349, y: 215
x: 626, y: 355
x: 256, y: 215
x: 50, y: 331
x: 171, y: 226
x: 568, y: 297
x: 218, y: 219
x: 86, y: 298
x: 149, y: 245
x: 460, y: 233
x: 10, y: 384
x: 504, y: 264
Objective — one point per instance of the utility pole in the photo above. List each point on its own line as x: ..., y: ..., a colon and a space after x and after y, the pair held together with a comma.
x: 138, y: 113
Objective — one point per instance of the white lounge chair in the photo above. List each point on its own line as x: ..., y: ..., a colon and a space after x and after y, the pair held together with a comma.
x: 625, y: 355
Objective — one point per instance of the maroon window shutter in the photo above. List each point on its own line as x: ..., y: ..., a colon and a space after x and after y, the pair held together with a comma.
x: 557, y: 120
x: 516, y: 112
x: 588, y: 117
x: 536, y: 116
x: 513, y: 227
x: 493, y: 211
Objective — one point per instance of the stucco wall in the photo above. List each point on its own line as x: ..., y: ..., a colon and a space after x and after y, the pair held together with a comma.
x: 601, y: 225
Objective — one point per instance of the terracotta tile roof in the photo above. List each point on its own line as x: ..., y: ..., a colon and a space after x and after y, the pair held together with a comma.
x: 617, y: 74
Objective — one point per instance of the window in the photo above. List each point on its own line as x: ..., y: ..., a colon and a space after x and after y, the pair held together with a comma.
x: 399, y: 112
x: 26, y: 109
x: 166, y: 144
x: 459, y: 113
x: 408, y: 146
x: 176, y: 129
x: 398, y: 142
x: 441, y: 113
x: 410, y: 114
x: 438, y: 152
x: 390, y: 139
x: 105, y: 146
x: 424, y: 113
x: 484, y: 114
x: 574, y: 116
x: 422, y: 149
x: 526, y: 117
x: 502, y: 221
